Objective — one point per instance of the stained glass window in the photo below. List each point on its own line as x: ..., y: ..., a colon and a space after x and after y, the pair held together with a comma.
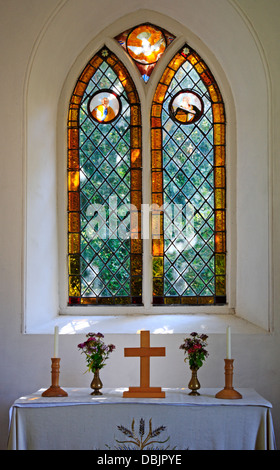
x: 145, y: 44
x: 104, y: 186
x: 188, y: 179
x: 188, y: 185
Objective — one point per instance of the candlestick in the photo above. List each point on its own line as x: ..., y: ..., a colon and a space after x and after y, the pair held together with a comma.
x: 54, y: 390
x: 55, y: 341
x: 228, y: 391
x: 228, y: 342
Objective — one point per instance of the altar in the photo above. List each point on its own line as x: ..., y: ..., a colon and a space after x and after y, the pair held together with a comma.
x: 109, y: 421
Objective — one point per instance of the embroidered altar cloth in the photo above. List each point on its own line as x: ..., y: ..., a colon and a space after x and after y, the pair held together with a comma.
x: 180, y: 421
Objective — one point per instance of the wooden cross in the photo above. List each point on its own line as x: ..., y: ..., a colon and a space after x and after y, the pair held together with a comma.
x: 144, y: 352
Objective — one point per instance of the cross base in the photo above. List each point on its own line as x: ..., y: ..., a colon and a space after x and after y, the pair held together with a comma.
x: 144, y: 392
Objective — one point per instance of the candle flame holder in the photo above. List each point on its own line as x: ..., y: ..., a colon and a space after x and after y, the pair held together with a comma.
x: 54, y: 390
x: 228, y: 391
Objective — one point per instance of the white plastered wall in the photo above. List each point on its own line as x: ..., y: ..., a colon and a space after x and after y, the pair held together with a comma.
x: 241, y: 75
x: 35, y: 36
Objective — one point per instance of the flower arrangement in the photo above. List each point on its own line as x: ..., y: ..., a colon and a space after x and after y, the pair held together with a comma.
x: 96, y: 351
x: 195, y: 348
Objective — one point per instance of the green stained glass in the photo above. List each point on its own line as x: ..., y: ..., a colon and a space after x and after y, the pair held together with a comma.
x: 136, y: 285
x: 158, y: 287
x: 158, y: 267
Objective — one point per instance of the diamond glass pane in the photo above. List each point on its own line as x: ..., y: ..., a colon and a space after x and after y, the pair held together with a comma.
x: 104, y: 186
x: 188, y: 185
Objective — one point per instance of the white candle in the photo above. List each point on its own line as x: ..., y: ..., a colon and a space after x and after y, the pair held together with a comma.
x: 228, y: 343
x: 55, y: 341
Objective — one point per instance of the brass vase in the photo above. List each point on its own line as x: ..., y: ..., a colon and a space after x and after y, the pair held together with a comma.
x: 194, y: 384
x: 96, y: 384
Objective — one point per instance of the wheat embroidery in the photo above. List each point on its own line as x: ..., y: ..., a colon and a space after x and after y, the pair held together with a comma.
x: 140, y: 440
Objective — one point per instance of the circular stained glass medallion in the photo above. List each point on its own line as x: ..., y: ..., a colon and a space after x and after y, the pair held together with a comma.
x: 186, y: 107
x: 145, y: 44
x: 104, y: 106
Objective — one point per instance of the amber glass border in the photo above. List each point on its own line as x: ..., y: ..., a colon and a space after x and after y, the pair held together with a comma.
x: 74, y: 286
x: 219, y: 136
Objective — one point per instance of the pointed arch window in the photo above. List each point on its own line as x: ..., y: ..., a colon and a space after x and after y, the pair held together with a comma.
x: 188, y: 181
x: 104, y: 183
x: 188, y: 185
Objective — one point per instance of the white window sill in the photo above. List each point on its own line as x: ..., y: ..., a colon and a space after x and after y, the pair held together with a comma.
x: 156, y: 324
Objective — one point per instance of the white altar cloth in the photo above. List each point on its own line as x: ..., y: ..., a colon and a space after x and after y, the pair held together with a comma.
x: 178, y: 421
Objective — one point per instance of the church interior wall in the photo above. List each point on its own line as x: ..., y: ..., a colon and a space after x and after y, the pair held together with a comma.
x: 43, y: 43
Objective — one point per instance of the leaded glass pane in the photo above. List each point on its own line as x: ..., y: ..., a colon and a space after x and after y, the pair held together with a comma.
x: 105, y: 193
x: 145, y: 44
x: 188, y: 169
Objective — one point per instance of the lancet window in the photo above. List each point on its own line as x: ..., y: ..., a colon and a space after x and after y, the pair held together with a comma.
x: 187, y: 172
